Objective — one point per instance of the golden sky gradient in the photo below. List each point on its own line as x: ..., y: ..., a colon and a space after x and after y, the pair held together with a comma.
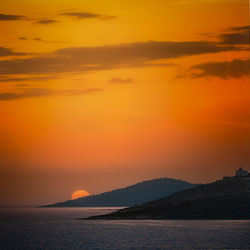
x: 98, y: 94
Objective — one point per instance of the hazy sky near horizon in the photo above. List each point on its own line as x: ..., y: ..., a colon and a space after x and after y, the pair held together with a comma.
x: 98, y: 95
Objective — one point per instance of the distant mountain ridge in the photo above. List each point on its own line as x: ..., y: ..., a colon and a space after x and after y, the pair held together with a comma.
x: 223, y: 199
x: 129, y: 196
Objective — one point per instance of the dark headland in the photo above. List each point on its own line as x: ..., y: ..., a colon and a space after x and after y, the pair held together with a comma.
x: 224, y: 199
x: 138, y: 193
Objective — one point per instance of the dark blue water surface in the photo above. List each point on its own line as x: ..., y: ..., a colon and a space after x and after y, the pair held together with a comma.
x: 58, y: 228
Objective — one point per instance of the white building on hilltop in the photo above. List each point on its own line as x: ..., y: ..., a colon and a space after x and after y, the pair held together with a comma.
x: 241, y: 173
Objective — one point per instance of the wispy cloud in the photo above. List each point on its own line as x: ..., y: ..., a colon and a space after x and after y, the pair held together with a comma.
x: 22, y: 38
x: 239, y: 28
x: 207, y: 1
x: 82, y: 59
x: 21, y: 85
x: 27, y: 79
x: 120, y: 80
x: 42, y: 92
x: 86, y: 15
x: 38, y: 39
x: 233, y: 69
x: 6, y: 17
x: 46, y: 21
x: 8, y: 52
x: 236, y: 35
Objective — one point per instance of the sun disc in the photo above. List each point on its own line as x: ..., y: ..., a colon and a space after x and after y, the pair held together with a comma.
x: 79, y: 194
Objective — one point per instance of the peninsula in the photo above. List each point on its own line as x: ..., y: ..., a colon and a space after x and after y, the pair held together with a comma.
x: 228, y: 198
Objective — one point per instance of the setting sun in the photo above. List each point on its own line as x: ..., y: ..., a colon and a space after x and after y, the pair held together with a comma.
x: 79, y: 194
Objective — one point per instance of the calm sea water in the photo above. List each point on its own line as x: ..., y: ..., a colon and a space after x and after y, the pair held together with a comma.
x: 58, y: 228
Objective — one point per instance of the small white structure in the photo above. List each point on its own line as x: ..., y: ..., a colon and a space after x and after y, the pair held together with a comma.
x: 241, y: 173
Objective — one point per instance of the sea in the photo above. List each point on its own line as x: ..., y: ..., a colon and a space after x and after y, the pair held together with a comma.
x: 59, y: 228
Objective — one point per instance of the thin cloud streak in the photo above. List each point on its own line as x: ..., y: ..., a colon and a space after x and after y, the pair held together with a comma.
x: 24, y: 79
x: 239, y: 28
x: 38, y: 39
x: 42, y: 92
x: 84, y: 59
x: 121, y: 81
x: 207, y: 1
x: 6, y: 17
x: 46, y: 21
x: 22, y: 38
x: 86, y: 15
x: 236, y: 36
x: 8, y: 52
x: 235, y: 69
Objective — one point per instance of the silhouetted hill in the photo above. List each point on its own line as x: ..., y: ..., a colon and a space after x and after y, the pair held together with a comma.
x: 136, y: 194
x: 228, y: 199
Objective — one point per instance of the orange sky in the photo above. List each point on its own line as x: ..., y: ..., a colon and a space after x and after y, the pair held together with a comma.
x: 98, y: 94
